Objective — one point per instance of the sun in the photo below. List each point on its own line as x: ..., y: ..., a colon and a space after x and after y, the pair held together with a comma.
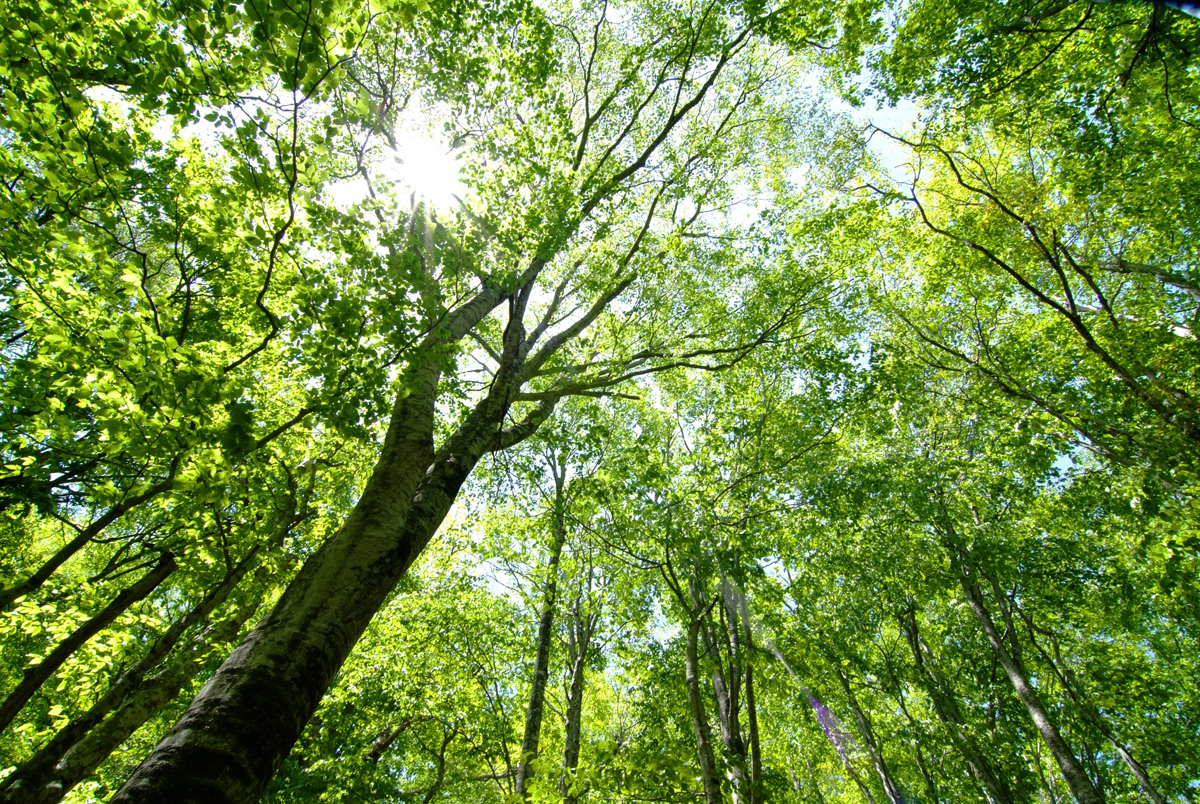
x: 425, y: 166
x: 419, y: 161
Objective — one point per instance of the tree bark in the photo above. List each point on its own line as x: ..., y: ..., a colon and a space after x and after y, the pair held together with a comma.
x: 704, y: 750
x: 44, y: 760
x: 812, y: 778
x: 235, y: 734
x: 541, y: 665
x: 831, y: 728
x: 581, y: 638
x: 1077, y: 780
x: 38, y: 674
x: 240, y: 727
x: 731, y: 729
x: 945, y: 705
x: 1090, y: 712
x: 890, y: 789
x: 930, y: 785
x: 751, y: 707
x: 1139, y: 773
x: 752, y: 727
x: 726, y: 691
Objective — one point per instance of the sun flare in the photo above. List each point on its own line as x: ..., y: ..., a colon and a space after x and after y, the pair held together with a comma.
x: 425, y: 166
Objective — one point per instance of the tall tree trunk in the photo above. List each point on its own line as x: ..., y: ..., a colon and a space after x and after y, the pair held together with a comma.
x: 237, y: 731
x: 833, y: 732
x: 743, y: 610
x: 541, y: 665
x: 240, y: 727
x: 727, y: 691
x: 82, y: 759
x: 1091, y: 713
x: 1077, y: 780
x: 448, y: 736
x: 945, y: 706
x: 580, y: 640
x: 40, y: 763
x: 1047, y: 786
x: 752, y: 728
x: 930, y: 785
x: 812, y: 778
x: 38, y: 674
x: 704, y: 749
x: 1139, y: 773
x: 890, y: 789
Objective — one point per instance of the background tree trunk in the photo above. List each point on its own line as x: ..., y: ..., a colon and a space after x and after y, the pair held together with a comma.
x: 890, y: 789
x: 580, y: 641
x: 704, y: 751
x: 1091, y: 713
x: 1077, y: 780
x: 82, y: 758
x: 727, y: 691
x: 946, y: 708
x: 541, y: 664
x: 752, y: 727
x: 812, y: 779
x: 43, y: 761
x: 38, y: 674
x: 743, y: 614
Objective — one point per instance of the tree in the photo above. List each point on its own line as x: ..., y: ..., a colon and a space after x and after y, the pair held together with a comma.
x: 238, y: 731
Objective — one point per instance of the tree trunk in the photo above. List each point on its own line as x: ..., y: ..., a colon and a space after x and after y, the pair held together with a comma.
x: 581, y: 638
x: 1047, y: 787
x: 946, y: 707
x: 240, y: 727
x: 812, y: 778
x: 833, y: 732
x: 38, y: 674
x: 751, y: 707
x: 726, y: 690
x: 1138, y: 772
x: 752, y: 726
x: 1077, y: 780
x: 82, y: 759
x: 44, y: 760
x: 890, y: 789
x: 704, y: 750
x: 930, y: 785
x: 541, y: 665
x: 448, y: 736
x: 1092, y: 714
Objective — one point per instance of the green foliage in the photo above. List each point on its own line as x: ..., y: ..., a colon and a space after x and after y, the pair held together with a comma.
x: 812, y: 413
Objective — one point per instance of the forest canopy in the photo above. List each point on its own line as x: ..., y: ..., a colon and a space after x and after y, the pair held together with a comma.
x: 595, y: 401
